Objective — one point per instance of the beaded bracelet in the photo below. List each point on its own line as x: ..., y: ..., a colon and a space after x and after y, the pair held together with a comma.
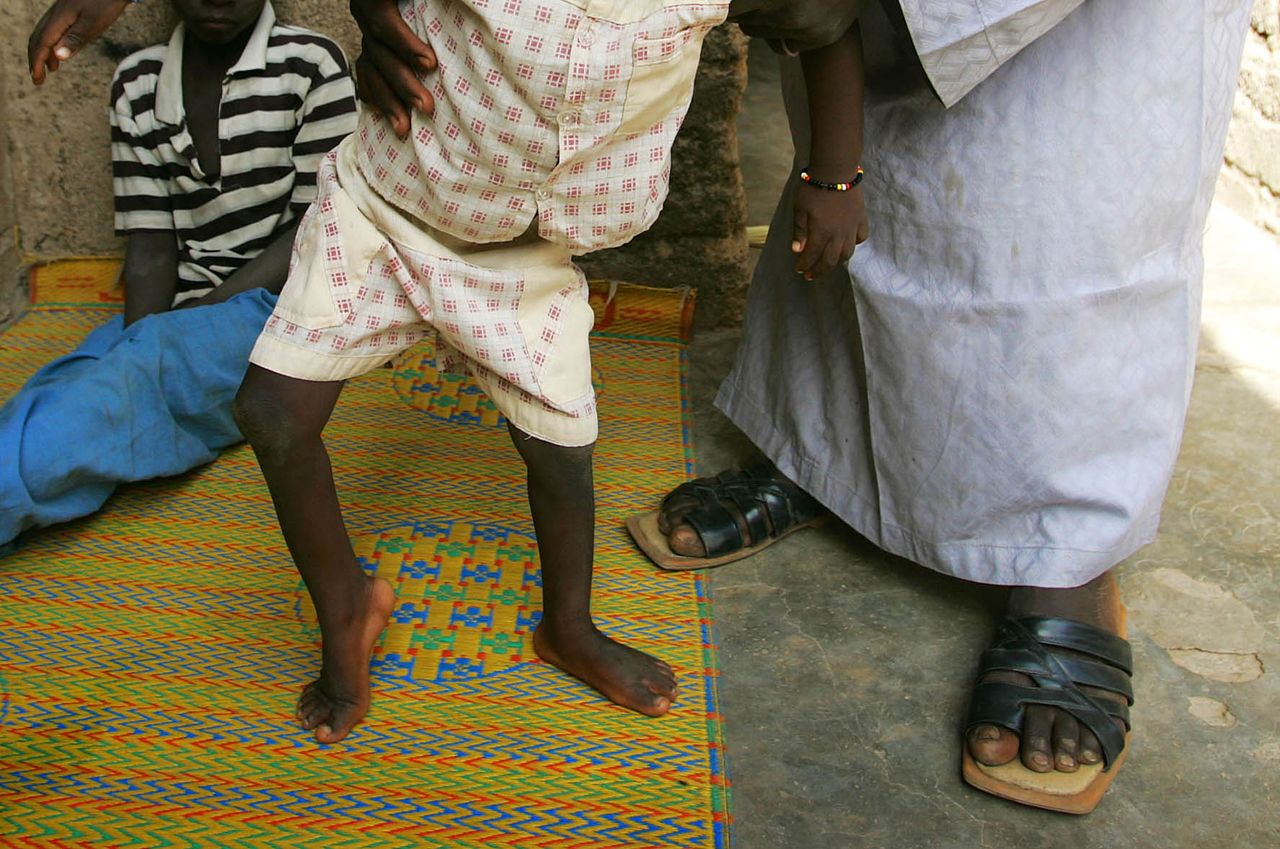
x: 806, y: 177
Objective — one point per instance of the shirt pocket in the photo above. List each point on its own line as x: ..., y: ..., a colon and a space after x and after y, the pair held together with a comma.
x: 474, y: 310
x: 561, y: 351
x: 662, y: 72
x: 332, y: 252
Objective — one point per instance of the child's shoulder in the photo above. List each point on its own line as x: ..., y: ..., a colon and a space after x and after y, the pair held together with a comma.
x: 138, y: 70
x: 308, y: 45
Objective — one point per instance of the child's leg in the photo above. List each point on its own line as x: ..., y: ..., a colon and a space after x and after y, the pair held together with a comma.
x: 282, y: 418
x: 562, y: 500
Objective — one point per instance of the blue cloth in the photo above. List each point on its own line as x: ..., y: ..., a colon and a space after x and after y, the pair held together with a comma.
x: 131, y: 403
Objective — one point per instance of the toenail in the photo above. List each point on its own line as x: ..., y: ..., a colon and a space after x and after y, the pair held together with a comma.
x: 1040, y: 759
x: 1066, y: 760
x: 988, y: 734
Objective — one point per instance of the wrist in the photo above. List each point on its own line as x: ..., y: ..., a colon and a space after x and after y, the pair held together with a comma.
x: 819, y: 180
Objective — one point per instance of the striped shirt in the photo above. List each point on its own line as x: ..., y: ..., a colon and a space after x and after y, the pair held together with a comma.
x: 285, y: 104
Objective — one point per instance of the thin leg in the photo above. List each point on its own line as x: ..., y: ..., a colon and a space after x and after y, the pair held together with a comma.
x: 562, y: 501
x: 283, y: 418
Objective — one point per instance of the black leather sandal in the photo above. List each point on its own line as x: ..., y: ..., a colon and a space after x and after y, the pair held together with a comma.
x: 1061, y: 656
x: 766, y: 502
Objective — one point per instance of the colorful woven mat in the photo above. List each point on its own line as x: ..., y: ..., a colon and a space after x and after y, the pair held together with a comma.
x: 150, y: 655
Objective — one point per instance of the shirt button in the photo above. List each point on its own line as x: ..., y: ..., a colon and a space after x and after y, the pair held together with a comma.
x: 543, y: 194
x: 586, y: 36
x: 570, y: 118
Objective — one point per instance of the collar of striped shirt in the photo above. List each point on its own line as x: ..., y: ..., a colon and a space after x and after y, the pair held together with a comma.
x: 169, y: 109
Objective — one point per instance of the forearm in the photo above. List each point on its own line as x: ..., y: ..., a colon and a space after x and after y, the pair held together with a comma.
x: 268, y: 270
x: 833, y: 78
x: 149, y: 275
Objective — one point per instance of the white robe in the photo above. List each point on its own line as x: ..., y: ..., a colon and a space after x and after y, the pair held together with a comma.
x: 1000, y: 394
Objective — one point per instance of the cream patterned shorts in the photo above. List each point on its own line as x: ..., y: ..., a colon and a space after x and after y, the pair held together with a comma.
x: 366, y: 282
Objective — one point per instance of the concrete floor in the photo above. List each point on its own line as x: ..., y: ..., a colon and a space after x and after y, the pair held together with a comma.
x: 846, y: 671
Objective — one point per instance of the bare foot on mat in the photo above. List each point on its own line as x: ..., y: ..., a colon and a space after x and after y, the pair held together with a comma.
x: 335, y: 702
x: 623, y: 675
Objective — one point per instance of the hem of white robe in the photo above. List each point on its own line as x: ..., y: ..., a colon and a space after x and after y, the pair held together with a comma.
x: 1002, y: 565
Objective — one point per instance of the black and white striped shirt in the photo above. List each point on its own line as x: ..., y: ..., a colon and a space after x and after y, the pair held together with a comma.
x: 285, y: 104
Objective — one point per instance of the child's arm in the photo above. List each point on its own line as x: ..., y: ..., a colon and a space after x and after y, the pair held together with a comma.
x: 829, y: 223
x: 150, y: 274
x: 268, y: 270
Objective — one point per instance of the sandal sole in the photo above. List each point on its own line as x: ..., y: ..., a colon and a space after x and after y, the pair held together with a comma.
x: 644, y: 530
x: 1065, y: 792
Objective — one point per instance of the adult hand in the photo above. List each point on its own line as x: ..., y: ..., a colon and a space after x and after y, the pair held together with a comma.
x: 66, y: 27
x: 795, y: 25
x: 392, y: 58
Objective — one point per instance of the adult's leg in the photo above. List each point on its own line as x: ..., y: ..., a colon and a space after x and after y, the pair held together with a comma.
x: 562, y: 501
x: 283, y: 418
x: 786, y: 407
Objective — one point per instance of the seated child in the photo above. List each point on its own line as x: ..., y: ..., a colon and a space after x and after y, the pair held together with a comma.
x: 551, y: 136
x: 215, y: 142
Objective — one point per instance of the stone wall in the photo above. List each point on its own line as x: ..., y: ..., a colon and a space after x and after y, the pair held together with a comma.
x: 1251, y: 181
x: 8, y: 234
x: 57, y: 141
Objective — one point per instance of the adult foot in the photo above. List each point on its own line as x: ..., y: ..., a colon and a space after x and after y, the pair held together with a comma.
x: 735, y: 510
x: 1052, y: 739
x: 623, y: 675
x: 335, y: 702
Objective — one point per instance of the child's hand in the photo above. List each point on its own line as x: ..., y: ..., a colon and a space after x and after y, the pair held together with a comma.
x: 828, y: 225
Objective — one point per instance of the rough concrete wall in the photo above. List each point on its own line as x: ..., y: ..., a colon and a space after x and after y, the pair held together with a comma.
x: 8, y: 237
x: 58, y: 134
x: 1251, y: 182
x: 58, y: 138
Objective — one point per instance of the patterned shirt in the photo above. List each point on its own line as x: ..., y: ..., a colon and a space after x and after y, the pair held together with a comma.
x: 563, y: 110
x: 285, y: 104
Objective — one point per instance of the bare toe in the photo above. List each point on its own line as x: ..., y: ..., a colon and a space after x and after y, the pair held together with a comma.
x: 311, y: 709
x: 1066, y: 742
x: 1036, y: 730
x: 684, y: 540
x: 1090, y: 749
x: 342, y: 719
x: 992, y: 745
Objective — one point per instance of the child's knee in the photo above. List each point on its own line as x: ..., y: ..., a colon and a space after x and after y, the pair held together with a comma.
x: 249, y: 413
x: 262, y: 421
x: 547, y: 457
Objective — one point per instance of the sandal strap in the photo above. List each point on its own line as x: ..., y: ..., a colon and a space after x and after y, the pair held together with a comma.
x: 717, y: 529
x: 1019, y: 648
x: 1082, y: 671
x: 767, y: 503
x: 1081, y: 637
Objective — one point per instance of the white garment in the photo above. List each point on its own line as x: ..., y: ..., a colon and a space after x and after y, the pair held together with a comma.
x: 1000, y: 394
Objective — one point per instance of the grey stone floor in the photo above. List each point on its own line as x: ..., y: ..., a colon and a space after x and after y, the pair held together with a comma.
x: 846, y: 671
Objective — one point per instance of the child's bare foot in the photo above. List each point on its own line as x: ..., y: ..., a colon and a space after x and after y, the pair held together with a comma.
x: 336, y: 701
x: 625, y: 676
